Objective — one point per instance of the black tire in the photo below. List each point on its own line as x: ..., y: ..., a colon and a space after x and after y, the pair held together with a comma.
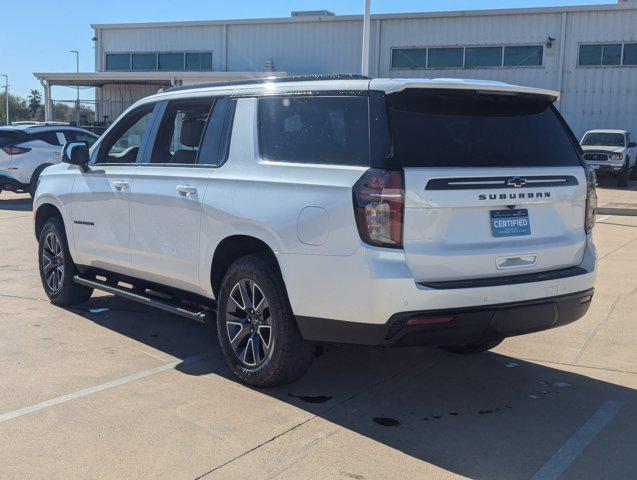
x: 623, y: 177
x: 633, y: 172
x: 33, y: 184
x: 473, y: 347
x: 285, y: 356
x: 61, y: 290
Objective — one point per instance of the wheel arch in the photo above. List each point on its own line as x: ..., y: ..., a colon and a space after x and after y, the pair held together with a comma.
x: 230, y: 249
x: 43, y: 213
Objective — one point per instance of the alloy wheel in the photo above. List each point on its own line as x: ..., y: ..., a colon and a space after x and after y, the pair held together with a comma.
x: 249, y: 323
x: 53, y: 262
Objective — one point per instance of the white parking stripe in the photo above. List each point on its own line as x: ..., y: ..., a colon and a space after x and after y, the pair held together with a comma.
x: 99, y: 388
x: 559, y: 462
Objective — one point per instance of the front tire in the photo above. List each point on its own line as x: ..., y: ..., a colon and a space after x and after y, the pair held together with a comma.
x: 57, y: 268
x: 624, y: 176
x: 257, y: 330
x: 473, y: 347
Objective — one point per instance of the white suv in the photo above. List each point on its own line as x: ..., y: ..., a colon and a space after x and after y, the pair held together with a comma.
x: 26, y: 150
x: 445, y: 213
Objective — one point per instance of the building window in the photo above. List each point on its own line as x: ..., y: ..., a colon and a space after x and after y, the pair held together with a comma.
x: 170, y: 61
x: 165, y: 61
x: 467, y: 57
x: 630, y: 54
x: 607, y: 54
x: 118, y: 61
x: 445, y: 58
x: 144, y: 61
x: 523, y: 55
x: 476, y: 57
x: 199, y: 61
x: 409, y: 58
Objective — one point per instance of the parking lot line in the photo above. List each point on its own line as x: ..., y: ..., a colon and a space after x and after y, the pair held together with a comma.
x: 99, y: 388
x: 568, y: 452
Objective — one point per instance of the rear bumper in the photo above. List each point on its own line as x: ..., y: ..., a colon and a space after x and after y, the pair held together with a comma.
x: 457, y: 327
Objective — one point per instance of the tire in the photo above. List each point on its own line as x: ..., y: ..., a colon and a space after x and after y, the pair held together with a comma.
x: 633, y: 171
x: 623, y: 177
x: 473, y: 347
x: 33, y: 184
x: 262, y: 345
x: 58, y: 284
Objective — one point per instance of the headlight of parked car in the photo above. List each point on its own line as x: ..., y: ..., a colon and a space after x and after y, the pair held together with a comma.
x: 616, y: 157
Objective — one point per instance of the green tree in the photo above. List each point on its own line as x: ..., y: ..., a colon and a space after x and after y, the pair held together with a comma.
x: 18, y: 109
x: 35, y: 102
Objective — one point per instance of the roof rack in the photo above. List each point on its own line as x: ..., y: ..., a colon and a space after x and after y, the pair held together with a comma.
x: 257, y: 81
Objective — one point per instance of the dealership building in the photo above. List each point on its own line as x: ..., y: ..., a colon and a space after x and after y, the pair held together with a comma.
x: 587, y: 53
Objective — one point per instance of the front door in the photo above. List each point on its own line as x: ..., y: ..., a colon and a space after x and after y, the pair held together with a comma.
x: 101, y: 196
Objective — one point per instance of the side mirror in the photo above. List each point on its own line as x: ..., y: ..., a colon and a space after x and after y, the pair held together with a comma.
x: 632, y: 144
x: 76, y: 153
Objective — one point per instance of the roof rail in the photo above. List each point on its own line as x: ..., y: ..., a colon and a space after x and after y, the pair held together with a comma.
x: 257, y: 81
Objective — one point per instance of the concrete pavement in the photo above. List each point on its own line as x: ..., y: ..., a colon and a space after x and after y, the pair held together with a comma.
x: 124, y: 393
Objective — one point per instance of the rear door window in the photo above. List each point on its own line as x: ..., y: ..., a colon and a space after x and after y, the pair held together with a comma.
x: 318, y: 129
x: 456, y: 128
x: 79, y: 136
x: 179, y: 135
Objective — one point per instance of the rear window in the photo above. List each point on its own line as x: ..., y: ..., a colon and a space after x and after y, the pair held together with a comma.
x: 13, y: 137
x: 319, y: 129
x: 455, y: 128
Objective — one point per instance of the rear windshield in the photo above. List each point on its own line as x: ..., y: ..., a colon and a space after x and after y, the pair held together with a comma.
x: 13, y: 137
x: 603, y: 139
x: 455, y: 128
x: 317, y: 129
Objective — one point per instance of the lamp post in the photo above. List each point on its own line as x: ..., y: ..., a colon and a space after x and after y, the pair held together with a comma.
x: 77, y: 100
x: 6, y: 98
x: 366, y: 35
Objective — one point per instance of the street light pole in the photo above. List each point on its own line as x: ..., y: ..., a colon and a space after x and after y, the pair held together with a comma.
x: 6, y: 98
x: 77, y: 101
x: 366, y: 35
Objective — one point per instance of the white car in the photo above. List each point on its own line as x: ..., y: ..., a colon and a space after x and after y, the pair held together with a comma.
x: 28, y: 148
x: 449, y: 213
x: 611, y: 152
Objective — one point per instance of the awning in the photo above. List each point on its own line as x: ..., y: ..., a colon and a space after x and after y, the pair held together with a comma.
x: 99, y: 79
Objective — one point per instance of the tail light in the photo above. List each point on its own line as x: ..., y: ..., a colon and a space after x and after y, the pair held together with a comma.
x: 591, y: 200
x: 13, y: 150
x: 379, y: 200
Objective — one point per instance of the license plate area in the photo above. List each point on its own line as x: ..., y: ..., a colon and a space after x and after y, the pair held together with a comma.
x: 510, y: 223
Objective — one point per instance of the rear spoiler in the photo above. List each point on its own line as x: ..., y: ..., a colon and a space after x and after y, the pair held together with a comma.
x: 395, y: 86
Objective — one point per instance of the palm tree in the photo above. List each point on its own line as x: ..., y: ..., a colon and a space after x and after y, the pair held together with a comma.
x: 35, y: 101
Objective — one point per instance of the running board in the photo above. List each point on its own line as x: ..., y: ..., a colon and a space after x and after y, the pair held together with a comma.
x: 141, y: 298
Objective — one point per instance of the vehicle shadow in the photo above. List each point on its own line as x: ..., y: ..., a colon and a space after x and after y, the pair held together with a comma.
x: 481, y: 416
x: 610, y: 183
x: 16, y: 203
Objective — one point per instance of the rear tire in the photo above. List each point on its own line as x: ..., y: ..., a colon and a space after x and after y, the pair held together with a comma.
x: 473, y: 347
x: 257, y: 330
x: 33, y: 184
x: 57, y: 268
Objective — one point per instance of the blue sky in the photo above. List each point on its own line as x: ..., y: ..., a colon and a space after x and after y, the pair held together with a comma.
x: 36, y: 35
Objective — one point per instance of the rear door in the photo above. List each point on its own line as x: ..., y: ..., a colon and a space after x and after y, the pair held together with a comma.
x: 101, y: 195
x: 168, y: 188
x: 494, y: 184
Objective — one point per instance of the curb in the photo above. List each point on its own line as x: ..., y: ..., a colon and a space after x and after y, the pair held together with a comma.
x: 626, y: 212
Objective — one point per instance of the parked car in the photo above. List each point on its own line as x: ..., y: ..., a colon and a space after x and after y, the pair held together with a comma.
x: 390, y: 212
x: 27, y: 149
x: 611, y: 152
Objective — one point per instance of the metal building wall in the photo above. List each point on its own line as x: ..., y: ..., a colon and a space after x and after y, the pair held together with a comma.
x: 592, y: 97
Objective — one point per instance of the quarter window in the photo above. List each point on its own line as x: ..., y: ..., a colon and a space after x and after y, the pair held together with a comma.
x: 321, y: 129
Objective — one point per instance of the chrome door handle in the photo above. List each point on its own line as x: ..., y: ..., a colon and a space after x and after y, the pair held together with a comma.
x: 120, y: 185
x: 186, y: 189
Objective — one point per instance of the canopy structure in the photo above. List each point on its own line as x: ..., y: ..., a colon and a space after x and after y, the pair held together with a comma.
x: 144, y: 83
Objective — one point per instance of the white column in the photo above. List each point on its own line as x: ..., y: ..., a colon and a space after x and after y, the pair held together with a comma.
x: 366, y: 34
